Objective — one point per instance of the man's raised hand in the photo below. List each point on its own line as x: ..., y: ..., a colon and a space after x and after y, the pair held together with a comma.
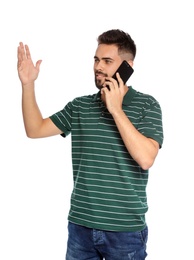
x: 27, y: 72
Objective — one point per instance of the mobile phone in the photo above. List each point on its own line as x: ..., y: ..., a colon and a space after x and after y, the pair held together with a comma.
x: 125, y: 71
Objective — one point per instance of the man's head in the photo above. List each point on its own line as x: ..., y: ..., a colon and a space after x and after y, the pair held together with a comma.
x: 123, y: 41
x: 114, y: 46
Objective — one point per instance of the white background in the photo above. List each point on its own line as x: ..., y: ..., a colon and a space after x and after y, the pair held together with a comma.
x: 35, y: 175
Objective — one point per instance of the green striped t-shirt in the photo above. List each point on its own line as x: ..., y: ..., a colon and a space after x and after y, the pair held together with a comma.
x: 109, y: 190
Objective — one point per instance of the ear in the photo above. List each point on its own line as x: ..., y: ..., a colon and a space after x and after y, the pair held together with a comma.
x: 130, y: 62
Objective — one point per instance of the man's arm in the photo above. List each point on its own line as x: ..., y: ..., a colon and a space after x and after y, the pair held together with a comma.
x: 142, y: 149
x: 34, y: 123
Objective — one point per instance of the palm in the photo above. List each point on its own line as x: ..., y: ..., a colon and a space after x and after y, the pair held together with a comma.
x: 26, y: 70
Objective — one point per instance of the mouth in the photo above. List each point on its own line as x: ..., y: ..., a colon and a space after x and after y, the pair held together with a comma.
x: 99, y: 79
x: 100, y: 76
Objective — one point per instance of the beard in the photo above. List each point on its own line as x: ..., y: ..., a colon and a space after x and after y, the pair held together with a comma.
x: 99, y: 82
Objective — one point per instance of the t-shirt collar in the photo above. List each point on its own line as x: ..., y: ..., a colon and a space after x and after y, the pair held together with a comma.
x: 126, y: 100
x: 129, y: 96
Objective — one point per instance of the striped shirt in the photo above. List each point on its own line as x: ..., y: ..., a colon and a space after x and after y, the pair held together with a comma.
x: 109, y: 186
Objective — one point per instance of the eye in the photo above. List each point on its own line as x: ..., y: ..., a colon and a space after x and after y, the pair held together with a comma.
x: 108, y: 61
x: 96, y: 60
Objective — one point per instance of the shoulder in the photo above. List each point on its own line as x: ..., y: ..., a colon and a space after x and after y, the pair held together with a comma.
x: 85, y: 99
x: 147, y: 100
x: 82, y: 102
x: 147, y: 97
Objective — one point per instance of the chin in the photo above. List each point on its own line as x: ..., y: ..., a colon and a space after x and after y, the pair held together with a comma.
x: 98, y: 84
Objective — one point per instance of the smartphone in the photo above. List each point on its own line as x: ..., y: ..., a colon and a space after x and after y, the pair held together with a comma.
x: 125, y: 71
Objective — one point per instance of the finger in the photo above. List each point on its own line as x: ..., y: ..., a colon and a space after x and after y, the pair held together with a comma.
x: 119, y: 79
x: 120, y: 82
x: 114, y: 83
x: 109, y: 84
x: 22, y: 51
x: 104, y: 90
x: 19, y: 54
x: 28, y: 56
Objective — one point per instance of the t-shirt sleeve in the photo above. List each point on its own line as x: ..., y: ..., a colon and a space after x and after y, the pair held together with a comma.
x: 151, y: 124
x: 63, y: 118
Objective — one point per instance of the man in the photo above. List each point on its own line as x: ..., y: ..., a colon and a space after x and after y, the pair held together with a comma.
x: 116, y: 135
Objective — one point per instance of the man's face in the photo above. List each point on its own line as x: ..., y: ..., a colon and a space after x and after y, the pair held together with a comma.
x: 106, y: 62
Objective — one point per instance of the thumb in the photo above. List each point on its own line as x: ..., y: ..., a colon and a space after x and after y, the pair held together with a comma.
x: 38, y: 64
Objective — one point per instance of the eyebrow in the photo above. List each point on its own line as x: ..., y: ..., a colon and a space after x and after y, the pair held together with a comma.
x: 104, y: 58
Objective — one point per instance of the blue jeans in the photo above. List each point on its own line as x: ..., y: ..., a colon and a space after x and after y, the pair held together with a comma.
x: 92, y: 244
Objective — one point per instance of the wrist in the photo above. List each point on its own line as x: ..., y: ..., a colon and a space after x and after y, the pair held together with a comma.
x: 28, y: 85
x: 118, y: 113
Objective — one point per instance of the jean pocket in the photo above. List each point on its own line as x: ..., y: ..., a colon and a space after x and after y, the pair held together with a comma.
x: 144, y: 235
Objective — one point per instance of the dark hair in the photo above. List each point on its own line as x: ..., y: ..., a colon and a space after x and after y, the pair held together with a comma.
x: 121, y: 39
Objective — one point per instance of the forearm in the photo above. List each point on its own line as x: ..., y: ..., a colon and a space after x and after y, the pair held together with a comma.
x: 142, y: 149
x: 31, y: 114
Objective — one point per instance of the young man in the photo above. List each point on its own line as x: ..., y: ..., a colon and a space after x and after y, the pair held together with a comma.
x: 116, y: 135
